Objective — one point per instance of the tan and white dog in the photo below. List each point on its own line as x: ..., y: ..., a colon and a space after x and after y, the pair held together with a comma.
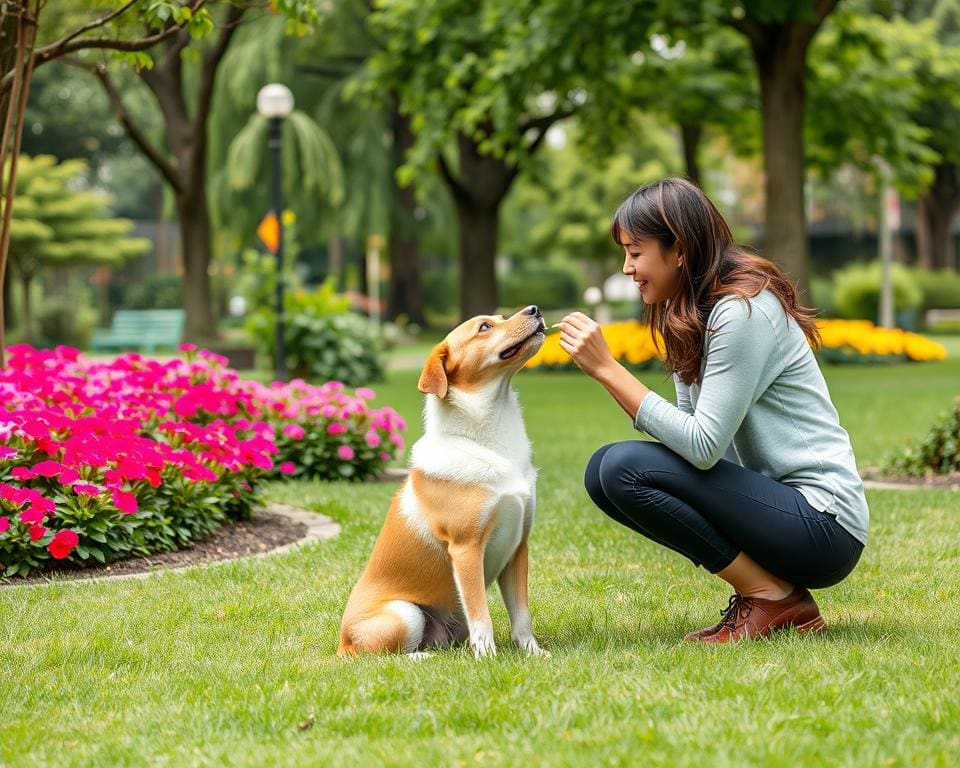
x: 462, y: 517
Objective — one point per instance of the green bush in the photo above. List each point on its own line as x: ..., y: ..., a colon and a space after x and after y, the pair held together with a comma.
x: 322, y: 340
x: 66, y: 321
x: 154, y: 292
x: 856, y: 292
x: 440, y: 291
x: 821, y: 296
x: 938, y: 453
x: 547, y: 286
x: 940, y: 289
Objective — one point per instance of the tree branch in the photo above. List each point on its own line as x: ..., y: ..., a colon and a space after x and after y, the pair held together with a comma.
x: 456, y: 187
x: 68, y: 44
x: 96, y: 23
x: 166, y: 168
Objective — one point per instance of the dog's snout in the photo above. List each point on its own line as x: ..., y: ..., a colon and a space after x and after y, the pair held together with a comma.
x: 533, y: 310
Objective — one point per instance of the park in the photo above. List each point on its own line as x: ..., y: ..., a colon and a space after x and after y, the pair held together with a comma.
x: 232, y: 235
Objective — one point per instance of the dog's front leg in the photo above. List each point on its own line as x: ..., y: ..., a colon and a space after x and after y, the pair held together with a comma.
x: 513, y: 587
x: 467, y: 560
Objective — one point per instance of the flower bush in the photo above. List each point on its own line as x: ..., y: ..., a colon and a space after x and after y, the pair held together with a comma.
x: 132, y: 456
x: 844, y: 341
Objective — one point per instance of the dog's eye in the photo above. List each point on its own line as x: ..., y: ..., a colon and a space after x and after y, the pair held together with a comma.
x: 485, y: 327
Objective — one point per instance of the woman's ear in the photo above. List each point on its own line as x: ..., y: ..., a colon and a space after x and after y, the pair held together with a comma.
x: 433, y: 379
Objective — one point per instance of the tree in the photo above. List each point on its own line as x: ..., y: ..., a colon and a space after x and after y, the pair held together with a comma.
x: 779, y: 33
x: 186, y: 109
x: 54, y: 224
x: 484, y: 82
x: 133, y: 26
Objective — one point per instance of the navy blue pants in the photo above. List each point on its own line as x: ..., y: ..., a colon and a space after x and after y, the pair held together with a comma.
x: 712, y: 515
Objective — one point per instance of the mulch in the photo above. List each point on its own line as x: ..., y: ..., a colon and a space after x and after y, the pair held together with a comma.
x: 949, y: 480
x: 265, y: 531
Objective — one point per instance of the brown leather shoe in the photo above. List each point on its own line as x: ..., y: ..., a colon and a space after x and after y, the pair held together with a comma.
x: 747, y: 617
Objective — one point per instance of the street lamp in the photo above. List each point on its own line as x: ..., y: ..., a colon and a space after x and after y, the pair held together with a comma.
x: 275, y: 102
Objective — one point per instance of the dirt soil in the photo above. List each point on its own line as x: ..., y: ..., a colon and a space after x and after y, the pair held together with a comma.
x: 263, y: 532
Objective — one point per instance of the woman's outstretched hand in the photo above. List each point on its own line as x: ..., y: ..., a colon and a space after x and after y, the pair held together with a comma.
x: 580, y: 337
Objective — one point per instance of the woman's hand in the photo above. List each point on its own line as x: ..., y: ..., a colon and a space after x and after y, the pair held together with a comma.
x: 580, y: 337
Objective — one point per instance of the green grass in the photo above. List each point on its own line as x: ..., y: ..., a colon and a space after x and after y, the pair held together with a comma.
x: 219, y: 665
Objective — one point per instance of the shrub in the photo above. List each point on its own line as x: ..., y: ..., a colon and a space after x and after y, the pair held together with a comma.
x: 68, y: 322
x: 322, y: 340
x: 857, y: 291
x: 938, y: 453
x: 550, y: 287
x: 154, y: 292
x: 102, y: 460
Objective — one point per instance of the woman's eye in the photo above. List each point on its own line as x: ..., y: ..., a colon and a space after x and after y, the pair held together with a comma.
x: 484, y: 327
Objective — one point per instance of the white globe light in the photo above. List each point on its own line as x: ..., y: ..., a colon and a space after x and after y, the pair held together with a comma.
x: 593, y: 295
x: 274, y: 100
x: 619, y: 287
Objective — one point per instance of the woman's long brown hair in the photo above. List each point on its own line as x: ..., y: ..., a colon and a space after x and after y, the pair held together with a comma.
x: 676, y: 211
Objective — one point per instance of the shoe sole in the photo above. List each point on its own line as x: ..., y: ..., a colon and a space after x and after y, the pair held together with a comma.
x: 812, y: 626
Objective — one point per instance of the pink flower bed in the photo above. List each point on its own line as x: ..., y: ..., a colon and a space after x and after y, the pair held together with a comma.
x: 104, y: 459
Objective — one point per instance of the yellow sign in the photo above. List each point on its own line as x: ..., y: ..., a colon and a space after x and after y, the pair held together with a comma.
x: 269, y: 232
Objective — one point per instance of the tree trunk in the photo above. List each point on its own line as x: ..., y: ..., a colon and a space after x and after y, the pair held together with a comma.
x: 782, y: 95
x: 478, y: 191
x: 478, y: 247
x: 406, y: 288
x: 690, y: 135
x: 9, y: 316
x: 922, y: 235
x: 941, y: 205
x: 194, y: 214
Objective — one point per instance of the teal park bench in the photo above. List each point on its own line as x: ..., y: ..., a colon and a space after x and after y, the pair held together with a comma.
x: 141, y: 329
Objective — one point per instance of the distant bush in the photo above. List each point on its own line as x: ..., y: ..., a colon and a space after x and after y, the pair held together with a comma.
x: 940, y: 289
x: 548, y: 286
x: 856, y: 292
x: 66, y: 321
x: 154, y: 292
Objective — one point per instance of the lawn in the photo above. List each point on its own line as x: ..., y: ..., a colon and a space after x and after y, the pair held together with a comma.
x: 234, y: 664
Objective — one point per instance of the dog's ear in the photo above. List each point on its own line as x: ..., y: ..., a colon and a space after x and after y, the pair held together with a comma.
x: 433, y: 379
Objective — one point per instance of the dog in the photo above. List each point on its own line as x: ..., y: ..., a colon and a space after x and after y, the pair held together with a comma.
x: 463, y: 515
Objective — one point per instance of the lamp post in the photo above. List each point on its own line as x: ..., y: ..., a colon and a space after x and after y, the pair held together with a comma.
x: 275, y: 102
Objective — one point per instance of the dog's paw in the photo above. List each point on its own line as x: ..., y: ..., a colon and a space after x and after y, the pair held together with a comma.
x: 529, y: 646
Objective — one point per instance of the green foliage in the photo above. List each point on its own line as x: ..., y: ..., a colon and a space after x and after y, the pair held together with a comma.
x: 154, y: 292
x: 940, y: 288
x: 547, y: 285
x: 56, y: 224
x: 64, y: 320
x: 322, y: 340
x: 937, y: 453
x: 857, y: 290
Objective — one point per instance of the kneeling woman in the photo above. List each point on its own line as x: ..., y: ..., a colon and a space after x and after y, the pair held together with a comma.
x: 753, y: 477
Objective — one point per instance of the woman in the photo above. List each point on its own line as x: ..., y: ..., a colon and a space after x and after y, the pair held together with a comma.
x: 753, y: 477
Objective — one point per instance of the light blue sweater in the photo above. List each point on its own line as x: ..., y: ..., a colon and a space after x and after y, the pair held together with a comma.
x: 762, y: 402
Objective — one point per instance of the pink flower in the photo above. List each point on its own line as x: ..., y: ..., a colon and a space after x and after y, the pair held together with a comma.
x: 4, y: 523
x: 125, y: 502
x: 31, y: 515
x: 6, y: 452
x: 328, y: 411
x: 336, y: 428
x: 187, y: 347
x: 63, y: 544
x: 345, y: 452
x: 86, y: 490
x: 22, y: 473
x: 365, y: 393
x: 288, y: 468
x: 37, y: 532
x: 69, y: 476
x: 294, y: 431
x: 373, y: 439
x: 47, y: 468
x: 384, y: 456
